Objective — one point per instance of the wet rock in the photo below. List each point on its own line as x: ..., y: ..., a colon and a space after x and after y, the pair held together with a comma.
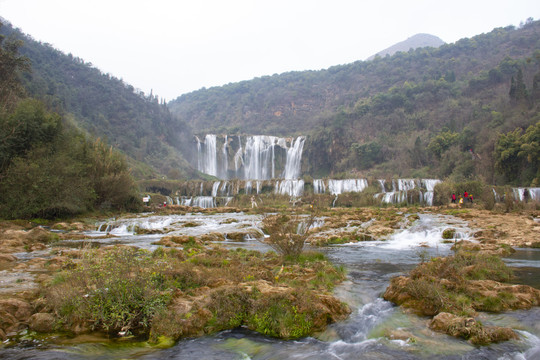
x: 41, y: 322
x: 244, y: 235
x: 39, y: 234
x: 212, y: 237
x: 486, y: 246
x: 173, y: 241
x: 398, y: 334
x: 7, y: 258
x: 20, y: 309
x: 468, y: 328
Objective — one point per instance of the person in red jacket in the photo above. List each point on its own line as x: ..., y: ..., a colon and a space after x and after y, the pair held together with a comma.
x: 466, y: 195
x: 453, y: 198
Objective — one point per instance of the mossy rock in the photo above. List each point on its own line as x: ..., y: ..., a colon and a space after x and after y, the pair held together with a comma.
x: 448, y: 233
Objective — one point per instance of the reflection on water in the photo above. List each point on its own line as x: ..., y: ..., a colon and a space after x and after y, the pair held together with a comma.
x: 369, y: 331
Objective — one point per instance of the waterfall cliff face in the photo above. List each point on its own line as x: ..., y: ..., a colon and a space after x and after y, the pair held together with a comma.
x: 257, y: 157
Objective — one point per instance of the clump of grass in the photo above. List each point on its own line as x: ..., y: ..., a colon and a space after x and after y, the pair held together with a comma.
x: 118, y: 290
x: 131, y: 290
x: 443, y: 284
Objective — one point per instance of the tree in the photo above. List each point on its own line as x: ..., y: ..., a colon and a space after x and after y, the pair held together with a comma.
x: 507, y: 160
x: 518, y: 90
x: 11, y: 63
x: 29, y: 126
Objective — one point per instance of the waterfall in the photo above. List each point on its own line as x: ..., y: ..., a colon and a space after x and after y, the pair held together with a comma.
x: 534, y: 193
x: 406, y: 184
x: 209, y: 161
x: 294, y: 158
x: 290, y: 187
x: 382, y: 182
x: 429, y: 185
x: 319, y: 187
x: 215, y: 188
x: 337, y: 187
x: 261, y: 157
x: 225, y: 156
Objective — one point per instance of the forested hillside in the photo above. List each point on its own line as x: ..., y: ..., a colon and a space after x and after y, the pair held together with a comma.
x: 430, y: 112
x: 49, y: 168
x: 105, y: 107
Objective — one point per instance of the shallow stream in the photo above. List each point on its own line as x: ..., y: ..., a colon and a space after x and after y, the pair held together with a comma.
x: 364, y: 335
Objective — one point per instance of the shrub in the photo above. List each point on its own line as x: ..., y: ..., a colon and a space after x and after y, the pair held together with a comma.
x: 117, y: 291
x: 287, y: 233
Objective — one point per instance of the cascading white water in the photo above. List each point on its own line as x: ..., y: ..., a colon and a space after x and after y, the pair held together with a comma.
x: 429, y: 185
x: 259, y: 157
x: 256, y: 159
x: 294, y: 158
x: 337, y: 187
x: 400, y: 187
x: 318, y: 186
x: 209, y: 162
x: 519, y: 193
x: 215, y: 188
x: 225, y: 156
x: 289, y: 187
x: 382, y: 182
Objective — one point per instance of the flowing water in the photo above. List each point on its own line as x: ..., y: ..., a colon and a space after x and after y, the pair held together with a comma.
x: 364, y: 335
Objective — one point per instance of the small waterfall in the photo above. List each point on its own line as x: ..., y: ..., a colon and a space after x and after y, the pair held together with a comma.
x: 238, y: 158
x: 225, y: 156
x: 215, y: 188
x: 400, y: 187
x: 382, y: 182
x: 294, y: 158
x: 337, y: 187
x: 429, y: 185
x: 519, y: 193
x: 204, y: 202
x: 406, y: 184
x: 293, y: 188
x: 209, y: 160
x: 319, y: 187
x: 496, y: 196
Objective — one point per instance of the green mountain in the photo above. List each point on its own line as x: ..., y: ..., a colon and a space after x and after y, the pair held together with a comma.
x: 139, y: 125
x: 414, y: 42
x: 428, y: 112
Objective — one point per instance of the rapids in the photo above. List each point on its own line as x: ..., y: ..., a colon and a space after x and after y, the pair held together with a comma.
x: 376, y: 329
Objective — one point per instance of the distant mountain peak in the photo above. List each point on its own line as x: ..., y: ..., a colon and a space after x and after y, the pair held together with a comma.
x: 414, y: 42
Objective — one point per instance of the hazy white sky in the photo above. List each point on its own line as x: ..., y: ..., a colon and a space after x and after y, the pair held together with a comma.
x: 174, y: 47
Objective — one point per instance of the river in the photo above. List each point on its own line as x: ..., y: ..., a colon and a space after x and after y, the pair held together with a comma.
x: 366, y: 334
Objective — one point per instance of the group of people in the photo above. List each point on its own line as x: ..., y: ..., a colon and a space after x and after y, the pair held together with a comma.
x: 466, y: 197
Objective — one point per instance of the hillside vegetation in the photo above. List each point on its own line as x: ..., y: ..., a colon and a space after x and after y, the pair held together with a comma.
x: 49, y: 168
x: 103, y: 106
x: 440, y: 112
x: 462, y: 111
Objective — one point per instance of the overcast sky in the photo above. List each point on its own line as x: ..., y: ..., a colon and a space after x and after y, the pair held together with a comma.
x: 174, y: 47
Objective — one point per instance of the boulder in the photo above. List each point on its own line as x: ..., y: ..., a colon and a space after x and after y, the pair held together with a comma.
x: 7, y: 258
x: 20, y: 309
x: 468, y: 328
x: 41, y: 322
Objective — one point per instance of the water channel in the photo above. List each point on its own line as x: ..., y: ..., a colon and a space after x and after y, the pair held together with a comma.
x: 364, y: 335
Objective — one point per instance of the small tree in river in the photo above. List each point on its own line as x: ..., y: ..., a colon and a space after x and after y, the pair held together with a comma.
x: 287, y: 233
